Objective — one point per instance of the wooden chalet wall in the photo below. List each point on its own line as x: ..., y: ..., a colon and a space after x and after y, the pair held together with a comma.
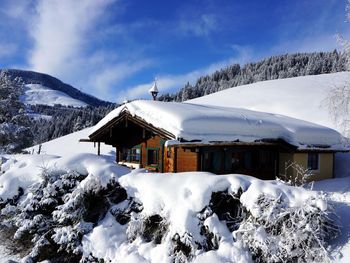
x: 180, y: 160
x: 153, y: 143
x: 186, y: 160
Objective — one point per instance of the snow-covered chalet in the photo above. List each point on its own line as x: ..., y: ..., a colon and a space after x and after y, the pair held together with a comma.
x: 181, y: 137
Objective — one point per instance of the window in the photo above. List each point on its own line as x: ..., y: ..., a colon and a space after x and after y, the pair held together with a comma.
x: 267, y: 159
x: 313, y: 161
x: 132, y: 155
x: 152, y: 157
x: 135, y: 154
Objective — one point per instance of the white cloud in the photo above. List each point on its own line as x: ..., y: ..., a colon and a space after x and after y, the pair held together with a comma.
x: 60, y: 30
x: 308, y: 44
x: 114, y: 74
x: 168, y: 83
x: 65, y: 34
x: 201, y: 26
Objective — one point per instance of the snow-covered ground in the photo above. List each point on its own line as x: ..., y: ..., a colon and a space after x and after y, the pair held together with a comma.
x: 179, y: 199
x: 69, y: 145
x: 338, y: 194
x: 38, y: 94
x: 300, y: 97
x: 176, y: 197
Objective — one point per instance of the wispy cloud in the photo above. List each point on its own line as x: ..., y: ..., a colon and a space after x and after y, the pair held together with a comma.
x: 60, y: 31
x: 114, y: 74
x: 19, y: 9
x: 321, y: 42
x: 65, y: 38
x: 169, y: 83
x: 7, y: 49
x: 201, y: 25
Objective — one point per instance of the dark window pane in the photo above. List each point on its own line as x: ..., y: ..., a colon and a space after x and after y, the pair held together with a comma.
x: 216, y: 161
x: 248, y: 162
x: 152, y: 157
x: 312, y: 161
x: 131, y: 155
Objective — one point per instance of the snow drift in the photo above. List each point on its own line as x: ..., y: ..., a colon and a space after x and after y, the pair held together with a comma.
x: 88, y: 208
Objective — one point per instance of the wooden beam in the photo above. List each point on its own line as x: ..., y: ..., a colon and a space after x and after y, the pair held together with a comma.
x: 175, y: 160
x: 98, y: 148
x: 101, y: 133
x: 85, y: 140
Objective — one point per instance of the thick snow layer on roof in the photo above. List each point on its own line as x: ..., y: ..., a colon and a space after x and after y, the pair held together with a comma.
x: 213, y: 123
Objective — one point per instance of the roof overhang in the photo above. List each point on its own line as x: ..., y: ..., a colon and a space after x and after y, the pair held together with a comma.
x: 126, y: 117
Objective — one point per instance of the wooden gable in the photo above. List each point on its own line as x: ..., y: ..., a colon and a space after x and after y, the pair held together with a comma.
x: 127, y: 131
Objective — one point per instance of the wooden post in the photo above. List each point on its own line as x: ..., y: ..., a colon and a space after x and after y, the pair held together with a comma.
x: 175, y: 159
x: 98, y: 148
x: 116, y: 155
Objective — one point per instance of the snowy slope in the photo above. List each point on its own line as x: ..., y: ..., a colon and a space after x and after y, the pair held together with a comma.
x: 300, y: 97
x: 69, y: 145
x: 38, y: 94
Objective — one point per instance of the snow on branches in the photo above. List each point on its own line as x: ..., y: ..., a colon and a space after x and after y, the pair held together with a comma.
x: 280, y: 233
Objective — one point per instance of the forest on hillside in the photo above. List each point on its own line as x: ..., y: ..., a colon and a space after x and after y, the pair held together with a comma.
x: 275, y: 67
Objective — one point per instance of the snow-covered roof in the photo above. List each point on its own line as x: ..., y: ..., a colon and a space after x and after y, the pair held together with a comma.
x: 207, y: 124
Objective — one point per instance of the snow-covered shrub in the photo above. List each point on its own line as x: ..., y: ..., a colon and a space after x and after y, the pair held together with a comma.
x: 56, y: 213
x: 183, y: 248
x: 149, y: 229
x: 123, y: 211
x: 228, y: 208
x: 277, y: 232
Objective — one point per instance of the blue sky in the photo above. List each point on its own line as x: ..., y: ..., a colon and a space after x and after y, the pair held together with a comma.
x: 113, y: 49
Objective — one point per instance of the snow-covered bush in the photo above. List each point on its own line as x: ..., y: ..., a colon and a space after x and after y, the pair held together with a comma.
x: 277, y: 232
x: 95, y: 211
x: 56, y: 213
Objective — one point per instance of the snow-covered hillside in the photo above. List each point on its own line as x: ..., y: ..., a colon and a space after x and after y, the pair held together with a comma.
x: 301, y: 97
x: 69, y: 145
x: 38, y: 94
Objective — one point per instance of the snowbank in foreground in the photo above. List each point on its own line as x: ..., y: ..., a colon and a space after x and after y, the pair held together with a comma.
x: 22, y: 171
x: 162, y: 217
x: 180, y: 199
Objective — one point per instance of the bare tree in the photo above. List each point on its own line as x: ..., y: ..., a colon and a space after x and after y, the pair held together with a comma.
x: 338, y: 104
x: 338, y: 99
